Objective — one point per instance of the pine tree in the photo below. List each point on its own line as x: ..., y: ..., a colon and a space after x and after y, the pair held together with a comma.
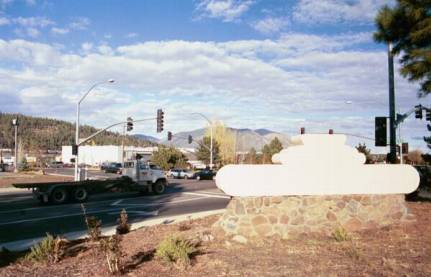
x: 408, y: 27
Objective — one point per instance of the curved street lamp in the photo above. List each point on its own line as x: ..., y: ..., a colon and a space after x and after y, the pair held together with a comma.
x: 77, y: 122
x: 211, y: 138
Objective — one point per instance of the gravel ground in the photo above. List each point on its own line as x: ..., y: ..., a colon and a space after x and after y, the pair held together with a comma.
x: 398, y: 250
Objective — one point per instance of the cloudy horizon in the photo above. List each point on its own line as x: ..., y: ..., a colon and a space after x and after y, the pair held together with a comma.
x: 279, y: 65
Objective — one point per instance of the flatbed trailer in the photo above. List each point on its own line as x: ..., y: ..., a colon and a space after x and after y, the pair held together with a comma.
x: 78, y: 191
x: 138, y: 176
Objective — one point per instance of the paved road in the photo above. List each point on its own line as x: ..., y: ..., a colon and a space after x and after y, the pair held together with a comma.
x: 21, y: 217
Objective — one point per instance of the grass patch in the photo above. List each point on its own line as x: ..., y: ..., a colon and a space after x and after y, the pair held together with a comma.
x: 175, y: 249
x: 340, y: 234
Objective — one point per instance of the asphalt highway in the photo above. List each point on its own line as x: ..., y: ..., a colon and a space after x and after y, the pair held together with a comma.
x: 22, y: 217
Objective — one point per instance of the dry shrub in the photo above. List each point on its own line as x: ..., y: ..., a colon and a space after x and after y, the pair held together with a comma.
x: 112, y: 250
x: 93, y: 225
x: 49, y: 250
x: 123, y: 225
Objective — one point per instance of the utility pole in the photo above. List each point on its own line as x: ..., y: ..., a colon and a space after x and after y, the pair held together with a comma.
x: 122, y: 144
x: 392, y: 157
x: 15, y: 124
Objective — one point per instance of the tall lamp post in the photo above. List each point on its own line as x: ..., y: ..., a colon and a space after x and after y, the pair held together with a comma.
x: 77, y: 123
x: 211, y: 138
x: 15, y: 123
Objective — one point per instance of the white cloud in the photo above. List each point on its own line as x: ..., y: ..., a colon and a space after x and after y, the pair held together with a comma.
x: 4, y: 21
x: 270, y: 25
x: 33, y: 21
x: 86, y: 46
x: 227, y: 10
x: 32, y: 32
x: 59, y: 31
x: 247, y: 83
x: 80, y: 23
x: 131, y: 35
x: 333, y: 11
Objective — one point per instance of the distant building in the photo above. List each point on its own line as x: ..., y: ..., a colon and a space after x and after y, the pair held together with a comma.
x: 96, y: 155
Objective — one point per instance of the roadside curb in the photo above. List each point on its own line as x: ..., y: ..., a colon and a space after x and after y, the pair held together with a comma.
x: 20, y: 245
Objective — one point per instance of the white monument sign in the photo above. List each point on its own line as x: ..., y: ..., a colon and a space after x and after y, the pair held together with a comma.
x: 320, y: 165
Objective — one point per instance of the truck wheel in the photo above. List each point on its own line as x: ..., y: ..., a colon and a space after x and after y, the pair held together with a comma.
x: 59, y: 195
x: 159, y: 187
x: 80, y: 194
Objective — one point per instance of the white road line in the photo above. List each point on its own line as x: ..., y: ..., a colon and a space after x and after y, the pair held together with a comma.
x: 117, y: 202
x: 207, y: 195
x: 100, y: 211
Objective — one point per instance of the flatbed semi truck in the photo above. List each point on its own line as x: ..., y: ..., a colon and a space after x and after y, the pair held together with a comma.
x: 137, y: 176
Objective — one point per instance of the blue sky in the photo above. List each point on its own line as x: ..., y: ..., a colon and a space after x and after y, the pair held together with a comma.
x: 270, y: 64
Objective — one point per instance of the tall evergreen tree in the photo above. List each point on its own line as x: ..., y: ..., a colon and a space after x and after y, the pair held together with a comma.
x: 407, y: 26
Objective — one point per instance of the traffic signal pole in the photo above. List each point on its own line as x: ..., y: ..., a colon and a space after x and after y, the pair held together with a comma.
x: 392, y: 114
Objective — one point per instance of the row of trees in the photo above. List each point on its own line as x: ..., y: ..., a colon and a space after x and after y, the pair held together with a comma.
x: 39, y: 134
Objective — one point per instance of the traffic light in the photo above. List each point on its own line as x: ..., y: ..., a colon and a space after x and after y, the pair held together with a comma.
x: 405, y: 147
x: 74, y: 149
x: 169, y: 136
x: 381, y: 131
x: 428, y: 115
x: 418, y: 111
x: 190, y: 139
x: 129, y: 124
x: 160, y: 117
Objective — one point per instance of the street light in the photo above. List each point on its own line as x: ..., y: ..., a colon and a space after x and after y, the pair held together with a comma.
x: 77, y: 123
x: 211, y: 138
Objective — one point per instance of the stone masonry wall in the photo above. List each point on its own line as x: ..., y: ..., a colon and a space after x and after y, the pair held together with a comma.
x: 291, y: 215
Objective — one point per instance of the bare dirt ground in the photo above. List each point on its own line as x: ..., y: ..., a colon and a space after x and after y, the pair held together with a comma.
x: 398, y: 250
x: 7, y: 179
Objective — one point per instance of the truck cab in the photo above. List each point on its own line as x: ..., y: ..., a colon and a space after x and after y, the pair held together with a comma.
x: 149, y: 176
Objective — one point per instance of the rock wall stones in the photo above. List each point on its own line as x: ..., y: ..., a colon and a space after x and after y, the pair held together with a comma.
x: 287, y: 216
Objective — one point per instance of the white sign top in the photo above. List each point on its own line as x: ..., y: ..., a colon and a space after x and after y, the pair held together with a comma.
x: 319, y: 165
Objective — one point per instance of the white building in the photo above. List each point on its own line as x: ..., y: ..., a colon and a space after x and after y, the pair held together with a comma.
x: 96, y: 155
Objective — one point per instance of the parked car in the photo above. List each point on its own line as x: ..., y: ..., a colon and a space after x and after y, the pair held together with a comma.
x: 187, y: 174
x: 206, y: 174
x: 55, y: 164
x: 174, y: 173
x: 181, y: 173
x: 114, y: 168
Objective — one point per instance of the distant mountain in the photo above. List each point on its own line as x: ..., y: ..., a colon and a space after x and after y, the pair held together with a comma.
x: 245, y: 138
x: 148, y: 138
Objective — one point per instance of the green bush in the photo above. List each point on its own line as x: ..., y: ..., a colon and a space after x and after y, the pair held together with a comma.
x: 340, y: 234
x: 49, y: 249
x: 176, y: 249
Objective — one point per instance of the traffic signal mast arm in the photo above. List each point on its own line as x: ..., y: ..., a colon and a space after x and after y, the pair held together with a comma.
x: 402, y: 117
x: 109, y: 127
x: 190, y: 140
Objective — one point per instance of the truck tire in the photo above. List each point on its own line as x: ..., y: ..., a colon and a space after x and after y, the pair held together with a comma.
x: 59, y: 195
x: 80, y: 194
x: 159, y: 187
